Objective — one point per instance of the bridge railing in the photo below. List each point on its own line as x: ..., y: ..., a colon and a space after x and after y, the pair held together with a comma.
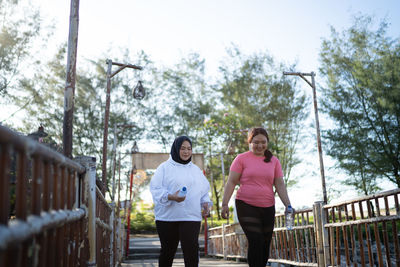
x: 40, y: 215
x: 227, y: 241
x: 51, y: 211
x: 297, y: 245
x: 363, y: 231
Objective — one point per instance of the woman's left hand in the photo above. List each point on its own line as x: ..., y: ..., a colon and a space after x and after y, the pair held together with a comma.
x: 176, y: 197
x: 286, y: 210
x: 205, y: 209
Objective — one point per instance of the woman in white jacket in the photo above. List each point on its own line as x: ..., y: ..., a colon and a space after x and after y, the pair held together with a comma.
x: 178, y: 218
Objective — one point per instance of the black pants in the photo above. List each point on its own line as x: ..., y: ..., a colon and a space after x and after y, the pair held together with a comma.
x: 170, y: 234
x: 258, y: 225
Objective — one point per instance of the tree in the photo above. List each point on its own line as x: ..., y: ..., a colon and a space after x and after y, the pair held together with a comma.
x: 45, y: 93
x: 179, y: 100
x: 254, y: 89
x: 362, y: 97
x: 20, y: 28
x: 220, y: 137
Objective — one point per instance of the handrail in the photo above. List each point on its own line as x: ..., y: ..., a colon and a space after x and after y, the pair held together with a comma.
x: 42, y: 220
x: 19, y: 231
x: 32, y: 147
x: 364, y: 198
x: 362, y: 231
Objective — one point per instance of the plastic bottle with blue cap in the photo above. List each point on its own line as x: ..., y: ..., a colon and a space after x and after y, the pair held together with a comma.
x: 182, y: 192
x: 289, y: 218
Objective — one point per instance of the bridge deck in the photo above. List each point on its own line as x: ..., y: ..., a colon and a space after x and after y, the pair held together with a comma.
x: 151, y: 245
x: 204, y: 262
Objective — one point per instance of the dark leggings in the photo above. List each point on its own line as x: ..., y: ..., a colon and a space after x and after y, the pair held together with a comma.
x: 170, y: 234
x: 258, y: 225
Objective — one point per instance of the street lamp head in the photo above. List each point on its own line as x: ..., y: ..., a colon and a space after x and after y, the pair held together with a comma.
x: 139, y: 92
x: 39, y: 134
x: 134, y: 148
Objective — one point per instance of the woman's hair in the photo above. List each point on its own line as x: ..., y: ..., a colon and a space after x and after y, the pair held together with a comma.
x: 256, y: 131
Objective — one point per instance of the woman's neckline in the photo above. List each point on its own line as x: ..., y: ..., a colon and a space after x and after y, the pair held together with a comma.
x: 257, y: 156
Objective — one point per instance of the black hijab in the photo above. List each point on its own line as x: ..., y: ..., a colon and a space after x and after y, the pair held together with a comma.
x: 176, y: 147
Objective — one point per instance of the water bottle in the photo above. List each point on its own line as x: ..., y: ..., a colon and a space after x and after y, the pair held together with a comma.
x: 182, y: 192
x: 289, y: 218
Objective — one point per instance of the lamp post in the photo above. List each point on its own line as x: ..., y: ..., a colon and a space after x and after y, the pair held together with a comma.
x: 114, y: 151
x: 69, y: 90
x: 223, y: 176
x: 110, y: 74
x: 321, y: 162
x: 133, y: 172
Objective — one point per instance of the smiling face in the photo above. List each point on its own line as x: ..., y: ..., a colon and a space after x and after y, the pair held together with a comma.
x: 186, y: 150
x: 259, y: 144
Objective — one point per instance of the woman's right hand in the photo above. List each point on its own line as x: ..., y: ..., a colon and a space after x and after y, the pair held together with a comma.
x: 233, y: 180
x: 225, y: 211
x: 175, y: 197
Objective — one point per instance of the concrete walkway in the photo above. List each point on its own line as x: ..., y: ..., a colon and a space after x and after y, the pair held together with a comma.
x: 204, y: 262
x: 138, y: 244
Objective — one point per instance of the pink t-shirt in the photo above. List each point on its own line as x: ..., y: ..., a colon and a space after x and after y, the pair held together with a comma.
x: 257, y: 178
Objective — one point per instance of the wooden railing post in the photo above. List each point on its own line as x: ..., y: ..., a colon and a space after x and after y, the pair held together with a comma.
x: 325, y: 233
x: 224, y: 243
x: 89, y: 204
x: 119, y: 235
x: 205, y: 236
x: 319, y: 222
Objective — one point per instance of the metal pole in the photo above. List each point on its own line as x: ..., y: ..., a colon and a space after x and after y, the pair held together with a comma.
x: 126, y: 193
x: 321, y: 162
x: 129, y: 215
x: 105, y: 133
x: 119, y: 183
x: 69, y: 90
x: 113, y: 236
x: 114, y: 153
x: 107, y: 113
x: 222, y: 167
x: 223, y: 177
x: 114, y: 149
x: 205, y: 236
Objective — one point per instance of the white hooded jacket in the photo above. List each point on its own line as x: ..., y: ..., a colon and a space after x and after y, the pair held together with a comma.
x: 170, y: 177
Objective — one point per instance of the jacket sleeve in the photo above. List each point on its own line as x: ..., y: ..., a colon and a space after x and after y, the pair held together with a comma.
x: 157, y: 188
x: 205, y: 197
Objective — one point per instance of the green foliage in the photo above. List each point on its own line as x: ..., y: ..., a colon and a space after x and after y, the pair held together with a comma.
x: 45, y: 93
x: 142, y: 222
x: 216, y: 222
x: 142, y: 219
x: 178, y: 101
x: 362, y: 97
x: 254, y: 90
x: 216, y: 132
x: 21, y: 27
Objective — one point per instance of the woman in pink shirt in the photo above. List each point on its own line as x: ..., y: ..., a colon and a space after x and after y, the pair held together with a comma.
x: 257, y: 172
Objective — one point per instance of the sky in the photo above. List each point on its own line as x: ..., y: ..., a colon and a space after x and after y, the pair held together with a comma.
x: 167, y: 30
